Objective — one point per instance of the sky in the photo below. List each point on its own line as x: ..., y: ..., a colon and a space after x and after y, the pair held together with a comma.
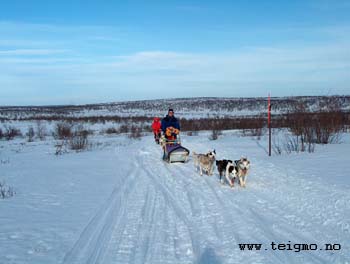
x: 78, y: 52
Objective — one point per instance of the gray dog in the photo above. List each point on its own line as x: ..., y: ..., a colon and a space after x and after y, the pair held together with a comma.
x: 243, y: 166
x: 205, y: 162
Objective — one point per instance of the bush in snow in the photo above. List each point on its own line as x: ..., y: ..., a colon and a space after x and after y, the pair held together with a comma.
x: 111, y: 130
x: 61, y: 147
x: 192, y: 133
x: 63, y: 130
x: 1, y: 134
x: 5, y: 161
x: 79, y: 138
x: 40, y: 130
x: 123, y: 129
x: 294, y: 144
x: 276, y: 146
x: 254, y: 132
x: 11, y: 133
x: 222, y: 123
x: 135, y: 132
x: 322, y: 127
x: 215, y: 133
x: 30, y: 134
x: 6, y: 191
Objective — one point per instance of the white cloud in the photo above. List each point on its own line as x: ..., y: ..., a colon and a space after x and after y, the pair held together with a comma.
x: 249, y: 71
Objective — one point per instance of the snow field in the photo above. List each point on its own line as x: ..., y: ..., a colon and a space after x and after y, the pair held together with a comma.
x: 120, y: 203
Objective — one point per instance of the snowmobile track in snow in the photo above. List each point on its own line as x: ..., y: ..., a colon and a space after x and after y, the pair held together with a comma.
x: 169, y: 213
x: 93, y: 241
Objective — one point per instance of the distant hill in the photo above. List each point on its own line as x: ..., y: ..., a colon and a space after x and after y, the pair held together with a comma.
x: 184, y: 107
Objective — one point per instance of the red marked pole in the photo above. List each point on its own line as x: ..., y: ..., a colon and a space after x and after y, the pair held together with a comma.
x: 269, y: 121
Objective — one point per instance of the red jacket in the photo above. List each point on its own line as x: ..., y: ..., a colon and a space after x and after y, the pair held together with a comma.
x: 156, y: 125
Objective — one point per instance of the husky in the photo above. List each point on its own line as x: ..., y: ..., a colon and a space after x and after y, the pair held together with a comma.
x: 205, y: 162
x: 228, y: 168
x: 221, y: 166
x: 243, y: 166
x: 231, y: 173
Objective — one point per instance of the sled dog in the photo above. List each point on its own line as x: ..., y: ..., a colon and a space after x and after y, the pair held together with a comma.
x: 227, y: 168
x: 221, y: 166
x: 204, y: 162
x: 243, y: 166
x: 162, y: 141
x: 231, y: 173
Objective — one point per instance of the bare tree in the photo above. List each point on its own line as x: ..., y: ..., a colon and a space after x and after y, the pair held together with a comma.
x: 79, y: 139
x: 63, y: 130
x: 11, y: 132
x: 30, y: 134
x: 135, y: 132
x: 215, y: 133
x: 40, y: 130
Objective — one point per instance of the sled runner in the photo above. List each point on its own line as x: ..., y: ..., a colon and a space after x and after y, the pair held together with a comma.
x: 173, y: 151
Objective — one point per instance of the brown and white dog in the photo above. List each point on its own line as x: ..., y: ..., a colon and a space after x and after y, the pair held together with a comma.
x: 204, y: 162
x: 243, y: 166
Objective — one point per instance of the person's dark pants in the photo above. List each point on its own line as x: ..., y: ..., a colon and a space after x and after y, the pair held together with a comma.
x: 157, y: 136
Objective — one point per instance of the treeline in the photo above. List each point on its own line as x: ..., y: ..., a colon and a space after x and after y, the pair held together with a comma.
x: 224, y: 123
x: 330, y: 120
x: 82, y: 119
x: 183, y: 105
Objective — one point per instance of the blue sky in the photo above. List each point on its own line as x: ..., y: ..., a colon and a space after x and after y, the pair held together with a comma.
x: 72, y: 52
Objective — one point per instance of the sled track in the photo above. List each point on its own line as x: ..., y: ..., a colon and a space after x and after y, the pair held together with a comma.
x: 157, y: 202
x: 92, y: 244
x: 227, y: 204
x: 171, y: 201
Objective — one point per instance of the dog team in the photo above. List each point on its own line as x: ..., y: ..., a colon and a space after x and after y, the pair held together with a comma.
x: 205, y: 162
x: 231, y: 170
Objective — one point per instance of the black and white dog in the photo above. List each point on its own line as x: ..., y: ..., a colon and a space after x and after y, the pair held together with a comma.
x: 221, y: 165
x: 230, y: 170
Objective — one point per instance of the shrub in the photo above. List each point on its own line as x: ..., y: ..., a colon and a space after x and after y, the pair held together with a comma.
x: 253, y: 132
x: 63, y: 130
x: 1, y: 134
x: 326, y: 127
x: 192, y: 133
x: 61, y: 147
x: 135, y: 132
x: 276, y: 146
x: 123, y: 129
x: 6, y: 191
x: 40, y: 130
x: 12, y: 132
x: 30, y: 134
x: 315, y: 128
x: 215, y: 133
x: 111, y: 130
x: 79, y: 139
x: 292, y: 144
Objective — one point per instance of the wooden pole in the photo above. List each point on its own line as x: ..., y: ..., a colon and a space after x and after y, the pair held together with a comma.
x: 269, y: 122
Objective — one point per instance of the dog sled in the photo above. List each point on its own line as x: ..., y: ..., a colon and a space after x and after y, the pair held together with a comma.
x: 173, y: 151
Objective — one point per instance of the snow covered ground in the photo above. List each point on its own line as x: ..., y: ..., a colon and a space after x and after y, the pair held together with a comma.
x: 120, y: 203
